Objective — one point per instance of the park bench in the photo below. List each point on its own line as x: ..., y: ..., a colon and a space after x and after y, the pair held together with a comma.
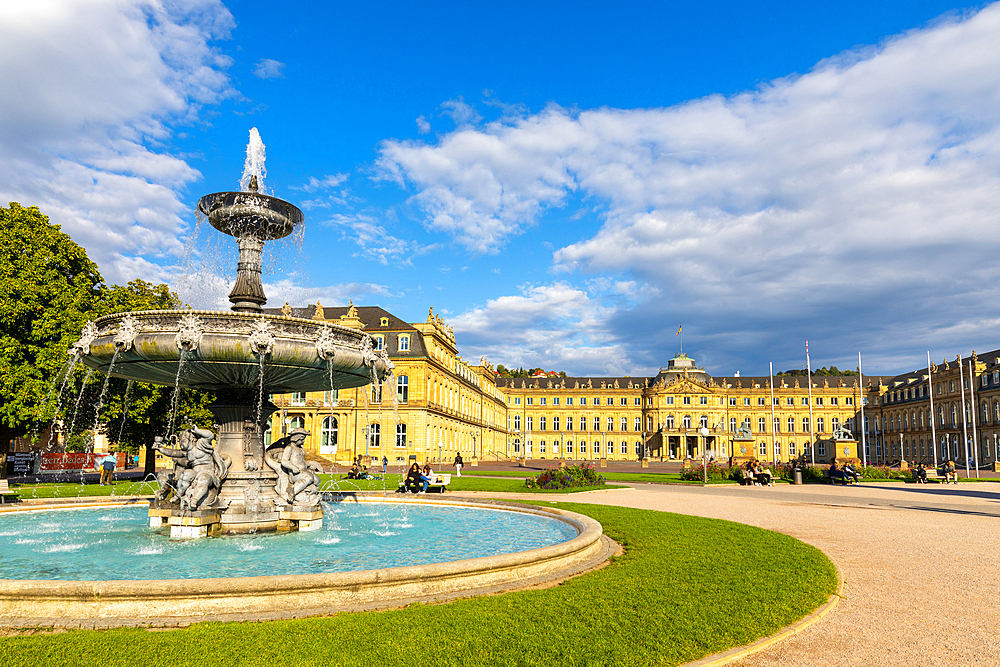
x: 830, y: 479
x: 6, y: 495
x: 439, y: 483
x: 933, y: 475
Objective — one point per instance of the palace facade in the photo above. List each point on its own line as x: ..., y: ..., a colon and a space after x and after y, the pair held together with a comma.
x: 439, y: 404
x: 950, y: 411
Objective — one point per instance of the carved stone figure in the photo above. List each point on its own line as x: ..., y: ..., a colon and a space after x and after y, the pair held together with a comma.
x: 841, y: 433
x: 743, y: 433
x: 298, y: 484
x: 198, y: 470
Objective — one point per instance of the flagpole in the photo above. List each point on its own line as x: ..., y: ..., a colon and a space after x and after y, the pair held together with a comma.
x: 774, y: 435
x: 812, y: 429
x: 861, y: 378
x: 965, y: 431
x: 972, y: 402
x: 930, y: 390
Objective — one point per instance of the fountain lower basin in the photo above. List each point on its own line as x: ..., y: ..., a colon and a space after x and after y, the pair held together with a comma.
x: 224, y: 350
x: 118, y: 602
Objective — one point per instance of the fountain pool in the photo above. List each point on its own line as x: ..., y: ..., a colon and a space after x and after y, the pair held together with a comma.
x: 440, y: 556
x: 116, y: 543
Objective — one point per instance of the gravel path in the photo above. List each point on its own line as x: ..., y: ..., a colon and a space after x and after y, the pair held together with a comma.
x: 919, y: 565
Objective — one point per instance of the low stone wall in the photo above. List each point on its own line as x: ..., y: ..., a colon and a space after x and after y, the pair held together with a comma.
x: 308, y: 594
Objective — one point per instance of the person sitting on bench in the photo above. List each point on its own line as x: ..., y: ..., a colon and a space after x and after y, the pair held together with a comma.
x: 836, y: 473
x: 920, y: 474
x: 850, y: 473
x: 426, y: 477
x: 412, y: 481
x: 950, y: 472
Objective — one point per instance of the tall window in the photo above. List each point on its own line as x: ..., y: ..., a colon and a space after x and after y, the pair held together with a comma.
x: 401, y: 435
x: 777, y: 425
x: 597, y: 423
x: 531, y: 423
x: 404, y: 343
x: 379, y: 342
x: 687, y: 421
x: 805, y: 424
x: 625, y: 423
x: 670, y: 421
x: 597, y: 447
x: 517, y: 423
x: 732, y: 424
x: 761, y: 425
x: 403, y: 389
x: 555, y: 423
x: 791, y: 427
x: 611, y: 423
x: 569, y: 423
x: 297, y: 422
x: 376, y: 392
x: 835, y: 423
x: 375, y: 435
x: 703, y: 421
x: 819, y: 424
x: 328, y: 436
x: 541, y: 423
x: 638, y: 424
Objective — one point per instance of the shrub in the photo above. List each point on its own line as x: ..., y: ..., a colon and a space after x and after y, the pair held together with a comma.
x: 565, y: 478
x: 697, y: 473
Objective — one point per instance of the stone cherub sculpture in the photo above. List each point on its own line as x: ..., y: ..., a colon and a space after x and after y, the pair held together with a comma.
x: 298, y: 483
x: 198, y: 470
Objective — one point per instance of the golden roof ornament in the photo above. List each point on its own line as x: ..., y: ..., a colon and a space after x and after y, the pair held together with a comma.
x: 351, y: 319
x: 286, y: 310
x: 319, y: 314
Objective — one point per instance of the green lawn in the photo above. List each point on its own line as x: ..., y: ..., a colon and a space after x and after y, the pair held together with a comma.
x: 638, y: 477
x: 463, y: 483
x: 53, y: 490
x: 686, y: 587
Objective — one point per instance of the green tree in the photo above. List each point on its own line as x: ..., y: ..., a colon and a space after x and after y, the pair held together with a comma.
x: 49, y: 288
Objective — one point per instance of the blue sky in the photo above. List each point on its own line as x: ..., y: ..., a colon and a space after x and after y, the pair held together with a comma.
x: 564, y: 182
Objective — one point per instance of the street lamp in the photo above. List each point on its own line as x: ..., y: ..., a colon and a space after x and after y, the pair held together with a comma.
x: 704, y: 451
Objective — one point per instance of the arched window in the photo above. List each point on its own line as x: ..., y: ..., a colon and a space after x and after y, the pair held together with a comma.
x: 328, y: 436
x: 401, y: 435
x: 403, y: 389
x: 953, y: 422
x: 686, y: 421
x: 296, y: 422
x: 704, y: 421
x: 670, y: 421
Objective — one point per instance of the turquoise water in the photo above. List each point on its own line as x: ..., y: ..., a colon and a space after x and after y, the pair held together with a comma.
x: 117, y: 543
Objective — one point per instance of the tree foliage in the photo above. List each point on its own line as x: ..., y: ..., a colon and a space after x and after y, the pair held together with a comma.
x: 49, y: 289
x: 832, y: 371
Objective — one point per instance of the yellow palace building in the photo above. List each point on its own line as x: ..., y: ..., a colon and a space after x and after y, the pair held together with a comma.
x: 439, y: 405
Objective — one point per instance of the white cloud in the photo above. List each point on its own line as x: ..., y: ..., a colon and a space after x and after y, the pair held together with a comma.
x: 297, y: 295
x: 325, y: 183
x: 460, y: 112
x: 555, y: 326
x: 89, y: 88
x: 423, y: 126
x: 373, y: 240
x: 269, y: 69
x: 855, y: 195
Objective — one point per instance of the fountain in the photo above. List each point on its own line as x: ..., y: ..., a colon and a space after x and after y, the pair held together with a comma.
x: 227, y: 482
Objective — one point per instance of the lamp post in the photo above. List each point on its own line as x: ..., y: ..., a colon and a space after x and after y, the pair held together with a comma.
x: 704, y: 451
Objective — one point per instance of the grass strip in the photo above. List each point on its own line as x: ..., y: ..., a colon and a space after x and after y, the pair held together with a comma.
x: 686, y: 587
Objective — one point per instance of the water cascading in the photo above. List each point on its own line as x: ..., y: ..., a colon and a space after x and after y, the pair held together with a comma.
x: 227, y: 481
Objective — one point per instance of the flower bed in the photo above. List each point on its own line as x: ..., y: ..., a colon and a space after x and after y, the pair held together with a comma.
x: 564, y: 478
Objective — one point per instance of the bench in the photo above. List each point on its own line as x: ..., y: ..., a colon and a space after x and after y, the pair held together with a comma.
x: 843, y: 479
x: 932, y: 476
x: 6, y: 495
x: 438, y: 484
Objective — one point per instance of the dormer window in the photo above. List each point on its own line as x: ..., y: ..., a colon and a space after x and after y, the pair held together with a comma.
x: 404, y: 343
x: 384, y: 322
x: 379, y: 342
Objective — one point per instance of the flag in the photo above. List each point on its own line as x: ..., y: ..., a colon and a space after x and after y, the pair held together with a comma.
x: 678, y: 331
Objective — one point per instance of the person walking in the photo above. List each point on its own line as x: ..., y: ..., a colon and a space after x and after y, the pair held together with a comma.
x: 108, y: 468
x: 385, y: 464
x: 458, y: 465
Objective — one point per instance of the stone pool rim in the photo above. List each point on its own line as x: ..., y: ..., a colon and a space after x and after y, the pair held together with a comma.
x: 129, y: 601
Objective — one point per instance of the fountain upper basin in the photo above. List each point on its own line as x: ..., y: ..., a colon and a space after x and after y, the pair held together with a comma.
x: 250, y: 214
x: 223, y: 350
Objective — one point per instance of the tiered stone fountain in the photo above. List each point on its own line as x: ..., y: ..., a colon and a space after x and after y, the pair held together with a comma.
x: 232, y: 484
